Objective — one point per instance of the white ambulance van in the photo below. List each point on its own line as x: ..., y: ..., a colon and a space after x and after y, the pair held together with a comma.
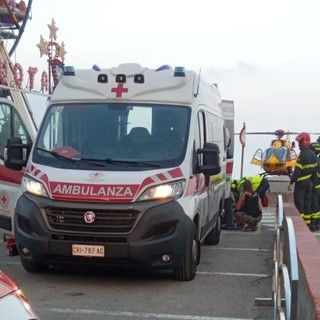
x: 16, y: 120
x: 128, y: 168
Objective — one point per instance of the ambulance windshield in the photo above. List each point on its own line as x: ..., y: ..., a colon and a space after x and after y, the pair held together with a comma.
x: 116, y: 135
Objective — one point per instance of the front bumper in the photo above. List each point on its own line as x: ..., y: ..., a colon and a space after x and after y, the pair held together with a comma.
x: 159, y: 228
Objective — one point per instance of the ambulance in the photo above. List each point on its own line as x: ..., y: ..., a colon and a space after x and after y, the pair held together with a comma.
x: 16, y: 120
x: 128, y: 168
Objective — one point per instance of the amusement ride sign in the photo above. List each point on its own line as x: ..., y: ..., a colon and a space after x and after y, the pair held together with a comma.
x: 55, y: 52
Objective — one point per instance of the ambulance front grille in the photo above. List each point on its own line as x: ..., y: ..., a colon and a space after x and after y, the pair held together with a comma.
x: 115, y: 221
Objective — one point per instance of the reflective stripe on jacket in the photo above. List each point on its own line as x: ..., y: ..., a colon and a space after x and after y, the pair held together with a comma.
x: 305, y: 166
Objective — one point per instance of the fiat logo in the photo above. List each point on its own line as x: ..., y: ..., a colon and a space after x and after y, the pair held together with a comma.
x: 89, y: 217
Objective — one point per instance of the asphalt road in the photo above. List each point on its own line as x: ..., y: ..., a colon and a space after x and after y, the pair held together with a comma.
x: 229, y: 279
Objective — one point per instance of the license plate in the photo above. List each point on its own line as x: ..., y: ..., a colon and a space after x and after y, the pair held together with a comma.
x: 87, y: 250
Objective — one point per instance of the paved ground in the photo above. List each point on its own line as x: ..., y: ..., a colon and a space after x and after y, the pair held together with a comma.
x: 230, y: 277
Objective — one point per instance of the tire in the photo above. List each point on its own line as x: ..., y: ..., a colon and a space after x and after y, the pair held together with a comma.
x: 188, y: 267
x: 213, y: 237
x: 33, y: 267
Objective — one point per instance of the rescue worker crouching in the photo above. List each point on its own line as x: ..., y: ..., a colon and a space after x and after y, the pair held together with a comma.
x: 259, y: 185
x: 248, y: 210
x: 303, y: 177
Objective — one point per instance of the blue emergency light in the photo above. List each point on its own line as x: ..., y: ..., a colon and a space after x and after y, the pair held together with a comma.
x: 179, y: 72
x: 95, y: 67
x: 68, y: 71
x: 164, y: 67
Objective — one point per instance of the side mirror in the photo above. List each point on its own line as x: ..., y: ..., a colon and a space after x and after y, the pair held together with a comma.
x: 211, y: 159
x: 16, y: 154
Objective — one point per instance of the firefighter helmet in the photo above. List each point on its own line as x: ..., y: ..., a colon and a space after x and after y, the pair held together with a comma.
x: 303, y: 139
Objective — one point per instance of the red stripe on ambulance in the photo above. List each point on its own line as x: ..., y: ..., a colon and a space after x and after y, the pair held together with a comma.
x: 36, y: 173
x: 176, y: 173
x: 11, y: 176
x: 161, y: 177
x: 229, y: 167
x: 195, y: 184
x: 191, y: 186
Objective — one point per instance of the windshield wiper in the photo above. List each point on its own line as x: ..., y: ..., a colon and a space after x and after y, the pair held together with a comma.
x: 133, y: 163
x: 57, y: 155
x: 91, y: 162
x: 125, y: 162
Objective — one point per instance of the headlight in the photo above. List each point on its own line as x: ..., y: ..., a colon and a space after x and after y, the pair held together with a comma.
x: 172, y: 190
x: 34, y: 187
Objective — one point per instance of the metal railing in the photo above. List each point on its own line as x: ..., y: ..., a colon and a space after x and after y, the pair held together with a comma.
x: 285, y: 268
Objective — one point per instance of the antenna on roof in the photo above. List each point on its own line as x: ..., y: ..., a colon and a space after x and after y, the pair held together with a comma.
x: 198, y: 85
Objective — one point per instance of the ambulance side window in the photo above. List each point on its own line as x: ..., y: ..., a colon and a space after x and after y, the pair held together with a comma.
x: 5, y: 126
x: 52, y: 136
x: 11, y: 126
x: 200, y: 135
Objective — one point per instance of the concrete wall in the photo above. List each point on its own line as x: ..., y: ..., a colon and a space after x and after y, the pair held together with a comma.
x: 308, y: 250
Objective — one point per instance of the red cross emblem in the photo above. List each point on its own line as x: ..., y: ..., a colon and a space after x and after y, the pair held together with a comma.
x: 4, y: 200
x: 119, y: 90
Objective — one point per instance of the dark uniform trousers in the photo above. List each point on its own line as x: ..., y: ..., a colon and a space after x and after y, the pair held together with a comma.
x: 302, y: 198
x: 315, y: 207
x: 303, y: 176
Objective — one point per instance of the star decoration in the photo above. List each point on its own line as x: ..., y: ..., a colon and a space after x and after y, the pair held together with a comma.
x: 55, y: 52
x: 53, y: 30
x: 62, y: 51
x: 43, y: 47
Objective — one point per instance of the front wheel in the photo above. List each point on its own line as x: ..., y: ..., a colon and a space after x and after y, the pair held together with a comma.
x: 33, y: 267
x: 213, y: 237
x: 188, y: 267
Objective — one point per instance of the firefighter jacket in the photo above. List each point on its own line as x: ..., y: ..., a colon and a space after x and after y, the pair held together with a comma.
x: 316, y: 181
x: 306, y: 166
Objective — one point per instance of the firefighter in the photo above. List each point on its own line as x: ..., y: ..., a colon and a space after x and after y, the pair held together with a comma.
x: 302, y: 178
x: 315, y: 200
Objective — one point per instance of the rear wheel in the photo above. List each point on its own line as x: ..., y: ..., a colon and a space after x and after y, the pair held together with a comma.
x: 33, y: 267
x: 188, y: 267
x: 213, y: 237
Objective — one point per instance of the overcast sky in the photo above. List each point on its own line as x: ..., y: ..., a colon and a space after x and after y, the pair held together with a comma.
x: 264, y: 55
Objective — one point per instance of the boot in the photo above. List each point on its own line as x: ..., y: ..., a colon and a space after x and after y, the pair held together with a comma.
x: 312, y: 225
x: 12, y: 248
x: 13, y: 251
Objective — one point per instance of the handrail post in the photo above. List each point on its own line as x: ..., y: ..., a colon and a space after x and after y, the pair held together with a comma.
x: 286, y: 271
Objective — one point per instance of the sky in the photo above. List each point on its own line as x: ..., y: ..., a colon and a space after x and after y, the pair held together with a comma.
x: 264, y: 55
